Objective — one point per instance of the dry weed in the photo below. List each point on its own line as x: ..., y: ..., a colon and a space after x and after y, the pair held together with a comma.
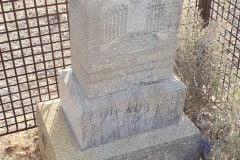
x: 20, y: 146
x: 207, y: 70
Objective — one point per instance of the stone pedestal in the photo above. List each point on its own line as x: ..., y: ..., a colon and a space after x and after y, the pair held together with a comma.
x: 117, y: 115
x: 121, y: 91
x: 57, y: 142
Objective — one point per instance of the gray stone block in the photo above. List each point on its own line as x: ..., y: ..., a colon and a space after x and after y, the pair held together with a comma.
x: 117, y: 44
x: 57, y: 142
x: 111, y: 117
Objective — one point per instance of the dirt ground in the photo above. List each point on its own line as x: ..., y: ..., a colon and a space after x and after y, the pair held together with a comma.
x: 20, y: 146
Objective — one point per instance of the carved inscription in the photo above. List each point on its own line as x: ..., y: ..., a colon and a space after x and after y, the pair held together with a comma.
x: 158, y: 17
x: 115, y: 23
x: 135, y: 1
x: 137, y: 117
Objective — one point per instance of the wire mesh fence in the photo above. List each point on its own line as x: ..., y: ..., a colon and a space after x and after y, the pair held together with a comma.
x: 228, y: 13
x: 34, y: 44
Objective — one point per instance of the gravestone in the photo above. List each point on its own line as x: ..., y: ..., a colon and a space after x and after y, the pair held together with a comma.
x: 121, y: 84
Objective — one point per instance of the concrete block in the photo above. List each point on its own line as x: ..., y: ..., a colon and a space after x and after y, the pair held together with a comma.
x: 57, y: 142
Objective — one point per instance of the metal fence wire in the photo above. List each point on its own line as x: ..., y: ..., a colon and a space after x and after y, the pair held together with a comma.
x: 34, y: 44
x: 228, y: 11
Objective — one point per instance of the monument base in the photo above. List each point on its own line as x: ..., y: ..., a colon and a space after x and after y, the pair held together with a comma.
x: 104, y: 119
x: 57, y: 142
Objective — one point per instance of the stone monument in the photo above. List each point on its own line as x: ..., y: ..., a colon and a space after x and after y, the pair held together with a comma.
x: 121, y: 91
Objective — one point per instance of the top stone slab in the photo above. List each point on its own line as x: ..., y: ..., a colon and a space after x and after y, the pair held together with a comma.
x: 120, y: 43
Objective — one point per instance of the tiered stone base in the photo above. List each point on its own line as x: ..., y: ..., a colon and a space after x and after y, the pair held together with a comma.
x: 57, y: 142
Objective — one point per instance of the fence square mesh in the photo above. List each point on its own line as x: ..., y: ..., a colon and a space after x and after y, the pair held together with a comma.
x: 228, y: 12
x: 34, y: 45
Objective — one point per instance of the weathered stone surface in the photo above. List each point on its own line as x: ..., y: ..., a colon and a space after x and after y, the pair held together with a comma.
x: 111, y: 117
x: 117, y: 44
x: 121, y: 91
x: 174, y: 142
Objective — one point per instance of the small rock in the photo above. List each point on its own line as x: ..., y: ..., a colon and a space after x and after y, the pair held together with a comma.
x: 1, y: 28
x: 10, y: 149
